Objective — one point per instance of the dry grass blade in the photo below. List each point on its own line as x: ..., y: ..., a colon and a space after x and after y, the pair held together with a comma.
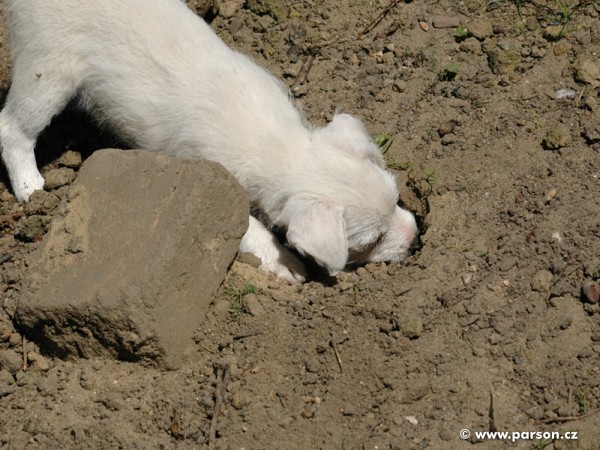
x: 219, y: 395
x: 377, y: 19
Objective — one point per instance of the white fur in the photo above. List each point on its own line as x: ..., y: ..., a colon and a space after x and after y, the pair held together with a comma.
x: 161, y: 78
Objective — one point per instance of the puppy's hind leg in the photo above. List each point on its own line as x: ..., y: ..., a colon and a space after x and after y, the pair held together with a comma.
x: 38, y: 92
x: 275, y: 257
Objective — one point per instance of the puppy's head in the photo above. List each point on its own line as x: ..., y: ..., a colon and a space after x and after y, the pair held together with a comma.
x: 343, y: 204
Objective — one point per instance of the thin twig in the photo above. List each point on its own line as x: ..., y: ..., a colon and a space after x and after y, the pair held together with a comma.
x: 247, y: 335
x: 337, y: 355
x: 377, y: 19
x: 303, y: 73
x: 567, y: 418
x: 219, y: 395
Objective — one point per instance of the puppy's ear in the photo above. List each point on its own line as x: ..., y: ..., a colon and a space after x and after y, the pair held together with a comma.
x: 350, y: 135
x: 319, y: 231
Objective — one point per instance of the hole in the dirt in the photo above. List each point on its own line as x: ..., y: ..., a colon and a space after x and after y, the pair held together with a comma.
x: 415, y: 198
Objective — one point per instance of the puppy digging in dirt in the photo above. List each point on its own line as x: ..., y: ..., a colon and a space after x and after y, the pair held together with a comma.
x: 162, y: 79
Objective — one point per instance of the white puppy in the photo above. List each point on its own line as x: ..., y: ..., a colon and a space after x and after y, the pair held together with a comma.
x: 162, y: 79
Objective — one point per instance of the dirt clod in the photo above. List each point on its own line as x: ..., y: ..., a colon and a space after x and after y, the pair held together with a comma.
x: 55, y: 178
x: 556, y: 138
x: 542, y: 281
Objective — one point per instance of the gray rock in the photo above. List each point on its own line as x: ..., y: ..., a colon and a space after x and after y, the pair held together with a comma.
x: 134, y: 258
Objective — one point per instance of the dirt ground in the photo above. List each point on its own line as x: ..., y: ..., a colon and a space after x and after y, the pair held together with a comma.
x: 493, y: 324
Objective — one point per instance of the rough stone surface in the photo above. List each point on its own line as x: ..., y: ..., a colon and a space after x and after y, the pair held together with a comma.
x: 131, y: 265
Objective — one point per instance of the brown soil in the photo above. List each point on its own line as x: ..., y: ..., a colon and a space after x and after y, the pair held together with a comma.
x: 484, y: 328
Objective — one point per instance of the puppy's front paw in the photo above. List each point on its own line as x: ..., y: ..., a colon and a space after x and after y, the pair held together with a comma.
x: 275, y: 258
x: 24, y: 186
x: 287, y: 266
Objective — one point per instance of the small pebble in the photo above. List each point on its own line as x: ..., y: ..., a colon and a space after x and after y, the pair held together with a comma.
x: 590, y: 292
x: 309, y: 411
x: 412, y: 419
x: 239, y: 400
x: 466, y: 278
x: 445, y: 21
x: 348, y: 409
x: 447, y: 127
x: 560, y: 48
x: 253, y: 306
x: 424, y: 26
x: 552, y: 33
x: 550, y: 195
